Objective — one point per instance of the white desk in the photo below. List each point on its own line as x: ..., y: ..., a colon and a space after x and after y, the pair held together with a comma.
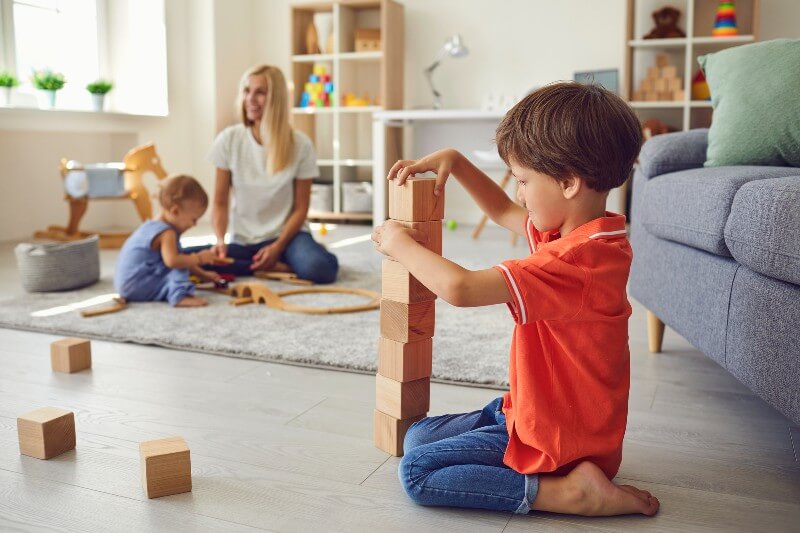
x: 399, y: 119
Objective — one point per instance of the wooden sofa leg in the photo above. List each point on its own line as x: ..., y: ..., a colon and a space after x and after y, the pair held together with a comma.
x: 655, y: 332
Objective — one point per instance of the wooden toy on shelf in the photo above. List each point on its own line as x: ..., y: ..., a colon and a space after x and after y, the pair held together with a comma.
x: 407, y: 323
x: 367, y: 39
x: 661, y: 84
x: 70, y: 355
x: 666, y: 20
x: 108, y: 181
x: 46, y: 432
x: 166, y: 467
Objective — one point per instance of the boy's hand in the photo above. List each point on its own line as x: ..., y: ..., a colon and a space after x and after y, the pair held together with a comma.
x: 390, y: 233
x: 440, y: 162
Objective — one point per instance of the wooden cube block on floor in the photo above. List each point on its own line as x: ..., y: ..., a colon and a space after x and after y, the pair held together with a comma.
x: 432, y: 232
x: 402, y: 400
x: 389, y: 432
x: 46, y: 432
x: 403, y: 322
x: 405, y: 361
x: 399, y: 285
x: 415, y: 201
x: 166, y: 467
x: 71, y: 355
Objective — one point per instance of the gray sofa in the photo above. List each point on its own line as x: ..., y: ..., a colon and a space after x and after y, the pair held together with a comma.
x: 717, y: 258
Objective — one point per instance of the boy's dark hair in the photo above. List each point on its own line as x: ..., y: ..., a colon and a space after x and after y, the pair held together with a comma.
x: 179, y: 189
x: 568, y: 128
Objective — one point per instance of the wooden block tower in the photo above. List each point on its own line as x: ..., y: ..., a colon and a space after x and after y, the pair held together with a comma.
x: 405, y: 351
x: 661, y: 84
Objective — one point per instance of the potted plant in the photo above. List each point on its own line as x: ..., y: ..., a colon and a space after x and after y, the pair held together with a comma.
x: 98, y: 89
x: 47, y: 83
x: 7, y: 82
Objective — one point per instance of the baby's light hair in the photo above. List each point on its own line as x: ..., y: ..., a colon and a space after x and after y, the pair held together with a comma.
x: 179, y: 189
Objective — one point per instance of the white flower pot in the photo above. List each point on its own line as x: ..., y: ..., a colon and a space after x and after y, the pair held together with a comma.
x: 46, y: 99
x: 323, y: 22
x: 98, y: 100
x: 5, y: 96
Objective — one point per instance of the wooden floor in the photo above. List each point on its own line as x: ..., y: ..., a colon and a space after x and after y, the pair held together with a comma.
x: 287, y: 448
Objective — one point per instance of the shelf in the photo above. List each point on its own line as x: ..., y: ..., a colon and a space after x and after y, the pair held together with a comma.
x: 683, y: 41
x: 330, y: 215
x: 700, y: 103
x: 657, y: 105
x: 342, y: 109
x: 361, y: 56
x: 312, y: 58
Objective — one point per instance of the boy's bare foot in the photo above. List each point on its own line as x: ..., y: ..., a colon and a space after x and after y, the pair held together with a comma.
x: 587, y: 491
x: 192, y: 301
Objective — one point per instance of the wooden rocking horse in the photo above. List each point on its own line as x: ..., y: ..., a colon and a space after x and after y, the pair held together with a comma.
x: 106, y: 181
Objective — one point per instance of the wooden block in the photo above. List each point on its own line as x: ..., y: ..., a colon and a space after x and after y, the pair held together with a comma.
x: 399, y: 285
x: 166, y: 467
x: 674, y: 84
x: 653, y: 73
x: 638, y: 96
x: 650, y: 96
x: 647, y: 85
x: 46, y: 432
x: 389, y: 432
x: 669, y: 72
x: 403, y: 322
x: 71, y: 355
x: 414, y: 201
x: 660, y: 85
x: 402, y: 400
x: 665, y: 95
x: 678, y: 95
x: 662, y: 60
x: 431, y: 231
x: 405, y: 361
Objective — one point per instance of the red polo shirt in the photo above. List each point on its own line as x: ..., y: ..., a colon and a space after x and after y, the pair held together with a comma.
x: 569, y: 370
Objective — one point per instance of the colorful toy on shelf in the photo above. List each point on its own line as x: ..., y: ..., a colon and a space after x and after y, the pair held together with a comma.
x: 319, y: 88
x: 666, y: 20
x: 700, y: 90
x: 351, y: 100
x: 725, y: 21
x: 661, y: 84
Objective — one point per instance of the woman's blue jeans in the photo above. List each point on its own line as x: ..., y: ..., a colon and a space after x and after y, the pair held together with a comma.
x: 306, y: 257
x: 457, y: 461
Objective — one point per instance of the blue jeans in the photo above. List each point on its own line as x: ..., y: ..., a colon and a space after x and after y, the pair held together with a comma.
x: 306, y: 257
x: 457, y: 461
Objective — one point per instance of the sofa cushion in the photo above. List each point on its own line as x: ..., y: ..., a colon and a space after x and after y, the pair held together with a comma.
x: 692, y: 206
x: 763, y: 228
x: 671, y: 152
x: 754, y: 91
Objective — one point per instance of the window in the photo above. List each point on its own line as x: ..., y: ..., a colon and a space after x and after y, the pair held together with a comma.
x: 60, y: 35
x: 123, y: 41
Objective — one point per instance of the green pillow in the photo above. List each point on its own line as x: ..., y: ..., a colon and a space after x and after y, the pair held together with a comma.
x: 755, y: 92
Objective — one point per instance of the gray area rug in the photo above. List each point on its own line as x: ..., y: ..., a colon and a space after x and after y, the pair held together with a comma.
x: 470, y: 346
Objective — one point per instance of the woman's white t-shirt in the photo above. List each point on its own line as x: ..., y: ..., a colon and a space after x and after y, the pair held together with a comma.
x: 260, y: 203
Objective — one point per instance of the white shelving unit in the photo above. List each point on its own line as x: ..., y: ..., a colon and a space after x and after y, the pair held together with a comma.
x: 342, y: 136
x: 697, y: 21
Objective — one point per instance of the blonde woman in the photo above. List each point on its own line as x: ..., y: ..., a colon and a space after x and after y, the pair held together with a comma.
x: 263, y: 186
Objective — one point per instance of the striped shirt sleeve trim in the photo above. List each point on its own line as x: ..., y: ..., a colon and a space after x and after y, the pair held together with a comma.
x: 607, y: 234
x: 523, y: 316
x: 528, y: 227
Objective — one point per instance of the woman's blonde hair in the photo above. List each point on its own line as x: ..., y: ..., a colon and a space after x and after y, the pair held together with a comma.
x: 275, y: 119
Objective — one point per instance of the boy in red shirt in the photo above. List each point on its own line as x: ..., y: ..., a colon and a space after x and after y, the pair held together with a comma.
x: 554, y: 441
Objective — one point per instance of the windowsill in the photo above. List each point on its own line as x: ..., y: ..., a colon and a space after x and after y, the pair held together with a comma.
x: 34, y: 118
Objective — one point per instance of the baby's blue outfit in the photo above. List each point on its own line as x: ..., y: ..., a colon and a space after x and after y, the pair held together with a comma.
x: 141, y: 274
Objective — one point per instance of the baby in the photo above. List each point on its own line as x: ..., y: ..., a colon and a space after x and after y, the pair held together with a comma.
x: 152, y: 266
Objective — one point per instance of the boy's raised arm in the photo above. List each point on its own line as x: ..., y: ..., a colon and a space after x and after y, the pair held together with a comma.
x: 487, y: 194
